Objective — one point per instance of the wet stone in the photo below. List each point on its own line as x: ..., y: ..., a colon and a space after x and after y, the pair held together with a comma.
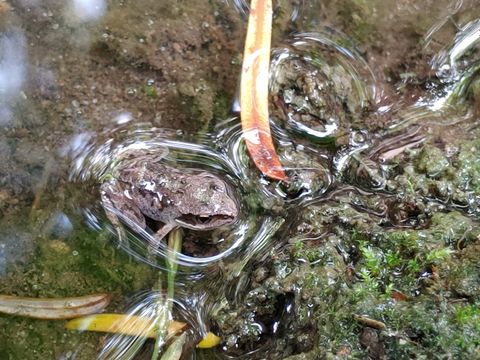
x: 307, y: 101
x: 370, y: 339
x: 16, y: 247
x: 30, y: 153
x: 58, y: 226
x: 5, y: 150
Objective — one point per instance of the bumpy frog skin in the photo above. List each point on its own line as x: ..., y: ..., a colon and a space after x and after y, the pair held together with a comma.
x: 146, y: 189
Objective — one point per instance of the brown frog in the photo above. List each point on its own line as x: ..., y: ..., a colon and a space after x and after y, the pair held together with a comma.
x: 144, y: 188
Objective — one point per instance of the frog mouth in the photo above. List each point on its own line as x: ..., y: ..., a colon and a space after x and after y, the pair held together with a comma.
x: 203, y: 221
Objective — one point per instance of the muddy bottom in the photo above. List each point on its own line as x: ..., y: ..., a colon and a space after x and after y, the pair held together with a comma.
x: 369, y: 251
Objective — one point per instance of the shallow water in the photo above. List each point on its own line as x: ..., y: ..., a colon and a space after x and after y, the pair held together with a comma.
x: 374, y: 111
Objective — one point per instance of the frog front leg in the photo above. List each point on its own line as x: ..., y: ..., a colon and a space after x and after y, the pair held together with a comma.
x: 119, y: 207
x: 162, y: 233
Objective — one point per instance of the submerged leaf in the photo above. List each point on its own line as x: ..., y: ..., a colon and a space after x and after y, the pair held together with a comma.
x: 210, y: 340
x: 135, y: 326
x: 54, y: 308
x: 254, y: 91
x: 174, y: 351
x: 123, y: 324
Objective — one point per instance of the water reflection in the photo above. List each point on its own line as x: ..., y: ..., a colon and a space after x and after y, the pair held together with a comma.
x: 457, y: 66
x: 320, y: 85
x: 88, y: 10
x: 94, y: 157
x: 306, y: 166
x: 13, y: 72
x: 451, y: 62
x: 295, y: 8
x: 191, y: 308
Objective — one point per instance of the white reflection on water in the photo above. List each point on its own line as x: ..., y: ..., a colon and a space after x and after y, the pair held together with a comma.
x: 12, y: 72
x: 88, y: 10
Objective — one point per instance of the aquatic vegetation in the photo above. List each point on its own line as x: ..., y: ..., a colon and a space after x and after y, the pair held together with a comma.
x: 60, y: 269
x: 381, y: 280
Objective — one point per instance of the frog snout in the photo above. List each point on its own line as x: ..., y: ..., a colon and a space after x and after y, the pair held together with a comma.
x: 203, y: 218
x: 203, y: 221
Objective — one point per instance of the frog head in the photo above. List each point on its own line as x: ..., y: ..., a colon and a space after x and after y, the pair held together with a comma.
x: 207, y: 203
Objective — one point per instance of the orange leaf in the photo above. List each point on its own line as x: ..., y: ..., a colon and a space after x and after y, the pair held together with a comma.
x: 254, y: 91
x: 399, y: 296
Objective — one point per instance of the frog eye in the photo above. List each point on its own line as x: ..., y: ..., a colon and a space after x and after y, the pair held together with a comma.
x: 216, y: 187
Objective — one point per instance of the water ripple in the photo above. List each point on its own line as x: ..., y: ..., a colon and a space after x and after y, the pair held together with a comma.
x: 320, y: 86
x: 94, y: 157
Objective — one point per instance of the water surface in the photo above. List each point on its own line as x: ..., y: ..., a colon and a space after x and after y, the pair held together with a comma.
x: 371, y: 248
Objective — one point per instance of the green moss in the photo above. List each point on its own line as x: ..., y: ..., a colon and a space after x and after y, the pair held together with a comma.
x: 468, y: 166
x: 452, y: 179
x: 86, y: 262
x: 23, y: 338
x: 360, y: 19
x: 418, y: 328
x: 150, y: 91
x: 373, y: 259
x: 453, y: 228
x: 468, y: 314
x: 303, y: 251
x: 406, y: 279
x: 432, y: 161
x: 221, y: 108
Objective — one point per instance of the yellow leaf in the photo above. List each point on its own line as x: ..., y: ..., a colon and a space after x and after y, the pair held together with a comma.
x: 209, y: 341
x: 135, y: 326
x: 122, y: 324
